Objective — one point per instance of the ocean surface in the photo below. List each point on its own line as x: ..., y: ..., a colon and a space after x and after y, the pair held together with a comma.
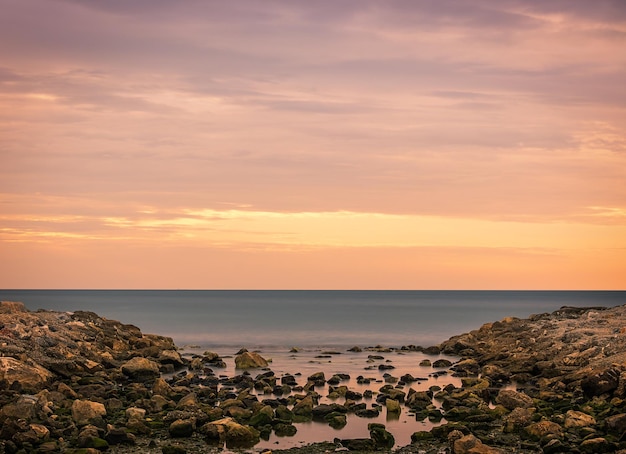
x: 305, y: 318
x: 322, y: 325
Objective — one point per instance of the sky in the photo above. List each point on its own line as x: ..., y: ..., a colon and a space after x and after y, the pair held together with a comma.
x: 287, y: 144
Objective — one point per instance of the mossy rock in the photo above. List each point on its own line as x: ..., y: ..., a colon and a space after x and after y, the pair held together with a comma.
x: 422, y: 435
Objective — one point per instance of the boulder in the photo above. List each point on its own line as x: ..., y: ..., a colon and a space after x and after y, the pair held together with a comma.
x: 139, y: 368
x: 30, y: 378
x: 83, y: 411
x: 250, y: 360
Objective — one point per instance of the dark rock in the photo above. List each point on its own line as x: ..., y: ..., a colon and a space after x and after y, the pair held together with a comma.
x: 601, y: 382
x: 358, y: 444
x: 285, y: 430
x: 442, y: 363
x: 173, y: 449
x: 182, y: 428
x: 380, y: 436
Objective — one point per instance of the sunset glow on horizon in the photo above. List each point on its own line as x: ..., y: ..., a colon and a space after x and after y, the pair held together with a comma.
x: 313, y: 145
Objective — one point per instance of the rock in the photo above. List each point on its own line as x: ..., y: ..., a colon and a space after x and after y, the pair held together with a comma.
x: 182, y: 428
x: 304, y: 407
x: 575, y: 418
x: 380, y: 436
x: 510, y: 399
x: 442, y: 364
x: 235, y: 435
x: 469, y: 444
x: 12, y: 307
x: 466, y: 367
x: 285, y: 430
x: 162, y: 388
x: 358, y: 444
x: 250, y: 360
x: 171, y: 357
x: 518, y: 418
x: 31, y: 378
x: 393, y: 406
x: 173, y: 449
x: 135, y: 413
x: 425, y: 363
x: 601, y: 382
x: 616, y: 423
x: 541, y: 429
x: 597, y: 446
x: 141, y: 369
x: 119, y: 436
x: 318, y: 379
x: 83, y: 411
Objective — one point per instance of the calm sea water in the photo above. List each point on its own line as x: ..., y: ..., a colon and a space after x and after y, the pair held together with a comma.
x: 309, y: 318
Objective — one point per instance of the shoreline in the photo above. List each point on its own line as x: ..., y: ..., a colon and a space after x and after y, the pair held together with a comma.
x: 554, y: 382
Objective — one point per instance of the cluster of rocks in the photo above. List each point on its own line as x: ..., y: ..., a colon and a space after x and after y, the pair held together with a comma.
x: 79, y: 383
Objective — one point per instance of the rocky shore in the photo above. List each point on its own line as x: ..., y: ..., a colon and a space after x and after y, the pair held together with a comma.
x: 79, y: 383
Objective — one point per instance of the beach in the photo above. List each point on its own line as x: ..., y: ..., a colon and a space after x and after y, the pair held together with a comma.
x: 553, y: 382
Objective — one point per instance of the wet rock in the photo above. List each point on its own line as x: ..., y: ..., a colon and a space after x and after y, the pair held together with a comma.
x: 304, y: 407
x: 393, y: 406
x: 250, y: 360
x: 318, y: 379
x: 367, y: 413
x: 380, y: 436
x: 285, y: 430
x: 442, y: 363
x: 358, y: 444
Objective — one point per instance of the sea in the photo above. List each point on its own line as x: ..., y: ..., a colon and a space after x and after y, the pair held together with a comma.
x: 306, y: 331
x: 297, y: 318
